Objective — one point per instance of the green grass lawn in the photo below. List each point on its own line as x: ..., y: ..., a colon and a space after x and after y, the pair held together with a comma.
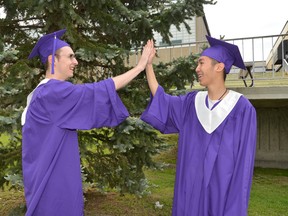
x: 269, y: 195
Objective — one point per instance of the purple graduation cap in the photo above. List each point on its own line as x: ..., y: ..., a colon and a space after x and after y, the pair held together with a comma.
x: 48, y: 45
x: 224, y: 52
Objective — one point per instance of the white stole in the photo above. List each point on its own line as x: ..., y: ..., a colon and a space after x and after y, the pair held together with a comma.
x: 211, y: 119
x: 23, y: 117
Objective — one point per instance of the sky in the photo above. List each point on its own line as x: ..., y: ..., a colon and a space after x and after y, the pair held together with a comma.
x: 246, y: 18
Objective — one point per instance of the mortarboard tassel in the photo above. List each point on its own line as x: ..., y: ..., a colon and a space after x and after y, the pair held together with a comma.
x: 53, y: 54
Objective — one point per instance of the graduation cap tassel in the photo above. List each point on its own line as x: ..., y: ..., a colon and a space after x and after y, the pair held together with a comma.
x: 53, y: 54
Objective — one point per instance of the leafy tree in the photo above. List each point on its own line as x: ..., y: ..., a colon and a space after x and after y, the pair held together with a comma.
x: 102, y: 33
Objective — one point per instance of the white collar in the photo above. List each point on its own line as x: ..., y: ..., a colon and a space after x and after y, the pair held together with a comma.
x: 211, y: 119
x: 23, y: 117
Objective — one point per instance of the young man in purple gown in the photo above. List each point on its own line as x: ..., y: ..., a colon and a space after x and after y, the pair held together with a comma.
x: 217, y: 136
x: 55, y: 110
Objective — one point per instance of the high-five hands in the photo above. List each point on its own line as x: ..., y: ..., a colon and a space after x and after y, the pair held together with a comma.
x: 147, y: 55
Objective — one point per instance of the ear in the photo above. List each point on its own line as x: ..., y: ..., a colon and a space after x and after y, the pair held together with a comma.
x: 220, y: 67
x: 49, y: 60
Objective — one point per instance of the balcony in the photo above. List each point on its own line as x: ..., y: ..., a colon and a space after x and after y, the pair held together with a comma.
x: 262, y: 54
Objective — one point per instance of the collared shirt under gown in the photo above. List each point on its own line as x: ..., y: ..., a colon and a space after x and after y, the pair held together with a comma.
x: 216, y: 151
x: 51, y: 161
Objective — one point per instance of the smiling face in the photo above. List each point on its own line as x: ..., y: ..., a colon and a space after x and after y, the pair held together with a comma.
x: 209, y: 71
x: 65, y: 63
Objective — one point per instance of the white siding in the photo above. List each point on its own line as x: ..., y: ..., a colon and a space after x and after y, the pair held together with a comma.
x: 179, y: 37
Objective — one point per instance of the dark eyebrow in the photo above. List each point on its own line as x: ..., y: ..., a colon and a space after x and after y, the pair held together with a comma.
x: 200, y: 59
x: 72, y: 55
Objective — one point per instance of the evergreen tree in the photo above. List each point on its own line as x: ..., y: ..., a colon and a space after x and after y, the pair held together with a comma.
x: 102, y: 33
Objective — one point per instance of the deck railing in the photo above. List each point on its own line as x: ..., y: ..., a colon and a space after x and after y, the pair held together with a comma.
x: 263, y: 54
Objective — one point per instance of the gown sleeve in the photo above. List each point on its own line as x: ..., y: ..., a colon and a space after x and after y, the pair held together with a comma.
x: 165, y: 112
x: 81, y: 106
x: 240, y: 185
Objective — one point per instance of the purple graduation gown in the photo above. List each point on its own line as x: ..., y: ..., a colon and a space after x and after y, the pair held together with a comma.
x: 215, y: 154
x: 50, y: 153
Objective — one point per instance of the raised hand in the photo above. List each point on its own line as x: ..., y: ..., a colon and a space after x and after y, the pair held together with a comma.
x: 147, y: 54
x: 153, y: 52
x: 152, y: 81
x: 145, y: 57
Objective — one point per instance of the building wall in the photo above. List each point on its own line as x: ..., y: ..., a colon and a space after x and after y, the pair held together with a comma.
x: 271, y: 104
x: 202, y: 29
x: 272, y: 142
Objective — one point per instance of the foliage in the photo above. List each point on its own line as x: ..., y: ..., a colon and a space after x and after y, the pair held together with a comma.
x: 115, y: 158
x: 178, y: 73
x: 102, y: 33
x: 10, y: 162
